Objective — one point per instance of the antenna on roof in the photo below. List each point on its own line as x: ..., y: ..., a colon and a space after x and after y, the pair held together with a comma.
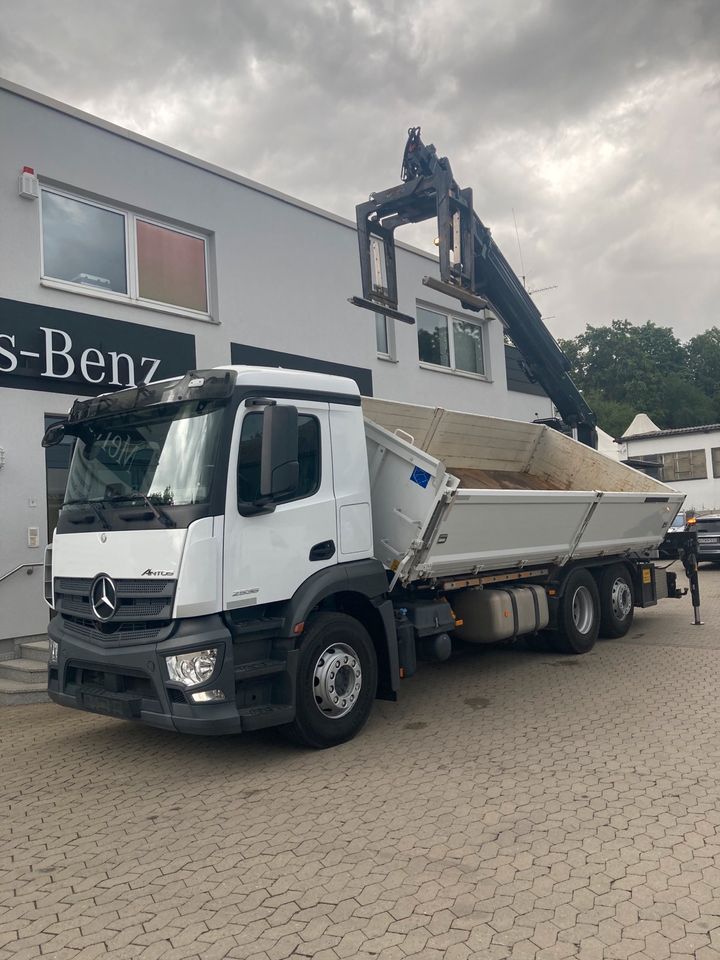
x: 522, y: 262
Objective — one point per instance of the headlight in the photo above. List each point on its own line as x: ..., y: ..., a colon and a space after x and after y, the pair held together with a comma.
x: 190, y: 669
x: 53, y: 651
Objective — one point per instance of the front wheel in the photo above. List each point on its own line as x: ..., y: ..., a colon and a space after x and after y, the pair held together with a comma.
x: 336, y: 682
x: 578, y: 615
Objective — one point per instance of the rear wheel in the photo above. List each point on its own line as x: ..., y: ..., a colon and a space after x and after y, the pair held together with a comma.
x: 336, y: 682
x: 578, y: 614
x: 617, y: 602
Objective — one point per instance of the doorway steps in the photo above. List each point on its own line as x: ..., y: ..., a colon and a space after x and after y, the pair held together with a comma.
x: 23, y: 675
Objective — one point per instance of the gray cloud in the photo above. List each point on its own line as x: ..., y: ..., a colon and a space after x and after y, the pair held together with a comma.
x: 597, y: 123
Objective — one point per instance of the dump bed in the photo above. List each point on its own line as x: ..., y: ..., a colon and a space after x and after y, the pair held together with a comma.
x: 458, y: 493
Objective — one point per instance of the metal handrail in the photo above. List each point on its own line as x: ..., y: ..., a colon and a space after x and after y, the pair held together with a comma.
x: 21, y: 567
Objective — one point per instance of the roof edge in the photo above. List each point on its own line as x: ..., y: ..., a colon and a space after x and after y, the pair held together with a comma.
x: 43, y: 100
x: 673, y: 432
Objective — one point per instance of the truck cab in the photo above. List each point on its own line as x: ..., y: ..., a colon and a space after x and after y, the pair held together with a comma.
x: 210, y: 524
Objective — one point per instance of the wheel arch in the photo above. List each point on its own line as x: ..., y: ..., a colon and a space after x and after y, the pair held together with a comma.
x: 375, y: 620
x: 358, y: 589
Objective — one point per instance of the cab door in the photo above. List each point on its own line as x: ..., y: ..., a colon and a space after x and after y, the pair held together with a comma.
x: 267, y: 555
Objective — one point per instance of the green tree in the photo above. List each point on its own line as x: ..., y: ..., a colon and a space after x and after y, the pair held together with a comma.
x: 624, y: 369
x: 703, y: 363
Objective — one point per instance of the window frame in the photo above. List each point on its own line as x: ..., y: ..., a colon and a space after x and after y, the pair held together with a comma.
x: 713, y: 451
x: 665, y: 461
x: 391, y: 353
x: 132, y: 276
x: 450, y: 317
x: 244, y: 507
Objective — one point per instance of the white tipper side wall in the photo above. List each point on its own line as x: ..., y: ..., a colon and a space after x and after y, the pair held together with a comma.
x: 280, y: 273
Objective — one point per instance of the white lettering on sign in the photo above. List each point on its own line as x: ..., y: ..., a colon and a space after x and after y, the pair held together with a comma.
x: 92, y: 366
x: 63, y: 352
x: 10, y: 358
x: 115, y: 359
x: 150, y: 372
x: 86, y: 361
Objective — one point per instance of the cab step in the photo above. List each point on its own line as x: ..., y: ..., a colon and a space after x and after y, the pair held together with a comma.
x: 259, y: 668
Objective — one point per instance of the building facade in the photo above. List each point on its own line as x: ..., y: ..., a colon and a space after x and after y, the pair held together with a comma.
x: 687, y: 459
x: 124, y: 260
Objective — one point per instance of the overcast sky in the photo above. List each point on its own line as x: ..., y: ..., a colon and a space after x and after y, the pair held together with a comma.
x: 597, y: 123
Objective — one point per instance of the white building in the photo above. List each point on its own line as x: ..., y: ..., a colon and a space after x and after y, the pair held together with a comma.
x: 687, y: 458
x: 122, y: 259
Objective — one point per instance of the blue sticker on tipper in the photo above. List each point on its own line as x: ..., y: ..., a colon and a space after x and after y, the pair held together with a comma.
x: 421, y: 477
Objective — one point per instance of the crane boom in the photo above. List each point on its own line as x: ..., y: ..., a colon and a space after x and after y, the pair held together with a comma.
x: 472, y: 269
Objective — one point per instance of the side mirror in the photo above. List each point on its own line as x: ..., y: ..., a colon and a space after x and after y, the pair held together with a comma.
x: 54, y: 435
x: 279, y: 465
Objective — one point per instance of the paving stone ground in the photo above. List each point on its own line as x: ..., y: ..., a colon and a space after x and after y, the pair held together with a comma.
x: 511, y: 805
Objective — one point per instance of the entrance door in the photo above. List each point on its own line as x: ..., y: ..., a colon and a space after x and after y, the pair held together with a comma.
x: 268, y: 555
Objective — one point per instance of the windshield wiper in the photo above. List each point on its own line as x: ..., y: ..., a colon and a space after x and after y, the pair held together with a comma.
x: 160, y: 515
x: 94, y: 505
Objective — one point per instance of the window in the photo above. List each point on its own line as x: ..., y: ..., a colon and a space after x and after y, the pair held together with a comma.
x: 381, y: 333
x: 171, y: 266
x: 715, y: 454
x: 451, y: 341
x: 117, y: 252
x: 83, y: 243
x: 248, y: 477
x: 385, y: 337
x: 682, y: 465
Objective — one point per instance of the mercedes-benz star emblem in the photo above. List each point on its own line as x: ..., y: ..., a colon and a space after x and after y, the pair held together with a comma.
x: 103, y: 597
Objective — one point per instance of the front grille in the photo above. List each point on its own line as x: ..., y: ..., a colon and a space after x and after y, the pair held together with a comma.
x: 116, y: 635
x: 128, y: 609
x: 132, y: 588
x: 143, y: 612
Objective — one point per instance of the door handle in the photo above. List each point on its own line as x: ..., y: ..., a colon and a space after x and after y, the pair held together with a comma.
x: 323, y: 550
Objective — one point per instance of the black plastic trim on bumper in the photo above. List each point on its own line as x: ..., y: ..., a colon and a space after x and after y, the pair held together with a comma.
x: 147, y: 662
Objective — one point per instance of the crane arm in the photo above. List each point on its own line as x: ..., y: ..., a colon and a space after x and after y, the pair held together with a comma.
x: 472, y: 269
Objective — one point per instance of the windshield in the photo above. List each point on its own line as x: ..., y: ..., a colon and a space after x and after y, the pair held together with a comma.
x: 678, y: 523
x: 167, y: 455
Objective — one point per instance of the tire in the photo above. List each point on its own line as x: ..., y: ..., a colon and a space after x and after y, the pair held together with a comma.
x: 617, y: 601
x: 333, y: 702
x: 578, y: 614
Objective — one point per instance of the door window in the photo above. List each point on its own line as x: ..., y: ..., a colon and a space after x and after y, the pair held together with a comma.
x: 248, y: 476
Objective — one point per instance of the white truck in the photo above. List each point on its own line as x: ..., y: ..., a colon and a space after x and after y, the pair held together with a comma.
x: 245, y: 547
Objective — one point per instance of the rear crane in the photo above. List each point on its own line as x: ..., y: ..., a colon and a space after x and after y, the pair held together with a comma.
x: 472, y: 270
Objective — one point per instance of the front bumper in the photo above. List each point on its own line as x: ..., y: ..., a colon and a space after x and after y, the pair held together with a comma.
x: 708, y: 551
x: 131, y: 681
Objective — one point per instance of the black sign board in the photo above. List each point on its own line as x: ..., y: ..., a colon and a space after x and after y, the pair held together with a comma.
x: 61, y: 351
x: 260, y: 357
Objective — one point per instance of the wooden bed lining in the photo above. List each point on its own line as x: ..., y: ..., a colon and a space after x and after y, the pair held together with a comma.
x: 472, y: 479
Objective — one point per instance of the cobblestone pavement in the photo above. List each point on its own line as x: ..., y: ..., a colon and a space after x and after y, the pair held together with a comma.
x: 513, y: 804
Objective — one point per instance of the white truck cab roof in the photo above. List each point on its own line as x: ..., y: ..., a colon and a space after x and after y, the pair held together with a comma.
x: 301, y: 380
